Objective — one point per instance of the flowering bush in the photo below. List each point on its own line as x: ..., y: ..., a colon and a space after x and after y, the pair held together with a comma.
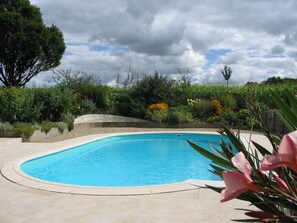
x: 193, y: 102
x: 218, y: 109
x: 157, y: 112
x: 158, y: 106
x: 269, y: 183
x: 200, y: 108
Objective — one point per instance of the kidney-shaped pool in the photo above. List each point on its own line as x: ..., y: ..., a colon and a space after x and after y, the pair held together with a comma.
x: 127, y: 160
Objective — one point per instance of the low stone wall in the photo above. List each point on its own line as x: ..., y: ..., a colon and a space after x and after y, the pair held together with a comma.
x: 142, y: 125
x: 39, y: 135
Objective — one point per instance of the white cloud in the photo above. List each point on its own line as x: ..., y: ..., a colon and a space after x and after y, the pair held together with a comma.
x: 167, y: 35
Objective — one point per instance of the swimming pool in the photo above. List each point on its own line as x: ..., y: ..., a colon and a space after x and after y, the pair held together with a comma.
x: 127, y: 160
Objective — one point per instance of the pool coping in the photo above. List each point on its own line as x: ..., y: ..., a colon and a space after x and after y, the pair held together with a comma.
x: 12, y: 172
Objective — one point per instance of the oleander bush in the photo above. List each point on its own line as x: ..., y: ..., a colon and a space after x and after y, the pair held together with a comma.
x: 265, y: 177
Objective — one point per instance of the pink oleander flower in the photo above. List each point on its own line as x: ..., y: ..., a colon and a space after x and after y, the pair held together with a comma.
x: 281, y: 183
x: 241, y: 163
x: 286, y: 155
x: 238, y: 182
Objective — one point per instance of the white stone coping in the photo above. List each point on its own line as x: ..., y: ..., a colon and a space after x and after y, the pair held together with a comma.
x: 12, y: 172
x: 93, y: 118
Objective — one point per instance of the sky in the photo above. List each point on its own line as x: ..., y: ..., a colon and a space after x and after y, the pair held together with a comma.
x: 256, y: 38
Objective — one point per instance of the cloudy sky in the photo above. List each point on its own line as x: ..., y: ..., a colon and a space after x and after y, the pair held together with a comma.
x: 257, y: 38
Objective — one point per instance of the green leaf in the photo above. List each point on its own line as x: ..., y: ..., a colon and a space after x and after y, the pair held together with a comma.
x: 289, y: 114
x: 218, y: 160
x: 227, y: 150
x: 216, y: 189
x: 218, y: 152
x: 235, y: 141
x: 292, y: 99
x: 218, y: 170
x: 246, y: 220
x: 261, y: 149
x: 284, y: 120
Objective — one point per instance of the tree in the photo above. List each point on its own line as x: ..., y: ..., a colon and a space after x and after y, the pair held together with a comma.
x: 128, y: 82
x: 184, y: 79
x: 153, y: 89
x: 227, y: 71
x: 27, y: 46
x: 74, y: 79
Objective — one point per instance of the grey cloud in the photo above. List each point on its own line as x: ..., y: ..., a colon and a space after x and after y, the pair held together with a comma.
x: 293, y: 54
x: 231, y: 58
x: 162, y: 34
x: 291, y: 38
x: 277, y: 49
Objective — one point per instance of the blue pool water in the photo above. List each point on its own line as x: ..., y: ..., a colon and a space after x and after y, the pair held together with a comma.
x: 127, y: 160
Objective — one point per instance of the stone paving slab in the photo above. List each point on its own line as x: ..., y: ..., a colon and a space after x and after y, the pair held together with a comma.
x: 9, y: 141
x: 21, y: 204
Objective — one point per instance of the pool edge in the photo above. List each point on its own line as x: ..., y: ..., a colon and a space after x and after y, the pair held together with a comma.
x: 11, y: 171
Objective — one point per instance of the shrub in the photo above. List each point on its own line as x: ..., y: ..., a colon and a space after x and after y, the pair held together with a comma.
x: 158, y: 106
x: 227, y: 101
x: 123, y: 105
x: 88, y: 107
x: 68, y: 118
x: 181, y: 94
x: 17, y: 104
x: 153, y: 88
x: 61, y: 126
x: 229, y: 117
x: 263, y: 176
x: 111, y: 102
x: 138, y: 108
x: 179, y: 115
x: 200, y: 108
x: 5, y: 129
x: 46, y: 126
x: 74, y: 80
x: 100, y: 95
x: 55, y: 102
x: 23, y: 130
x: 158, y: 116
x: 217, y: 107
x: 157, y: 112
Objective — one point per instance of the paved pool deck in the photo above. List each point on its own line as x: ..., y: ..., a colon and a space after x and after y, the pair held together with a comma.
x: 23, y: 204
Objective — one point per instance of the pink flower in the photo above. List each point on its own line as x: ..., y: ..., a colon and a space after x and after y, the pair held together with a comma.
x: 241, y: 163
x: 237, y: 182
x: 281, y: 183
x: 286, y: 156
